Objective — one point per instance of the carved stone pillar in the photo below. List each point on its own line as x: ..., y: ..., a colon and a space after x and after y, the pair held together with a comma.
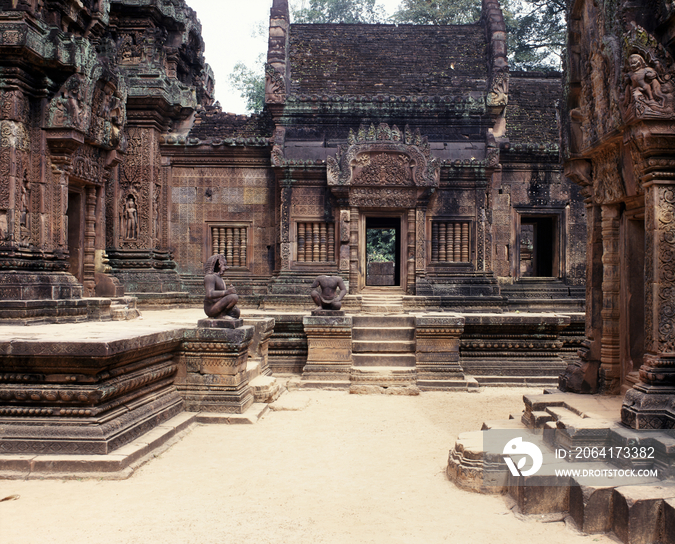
x: 285, y: 228
x: 610, y: 353
x: 136, y: 260
x: 410, y: 283
x: 581, y: 376
x: 89, y: 280
x: 353, y: 250
x: 344, y: 241
x: 649, y: 405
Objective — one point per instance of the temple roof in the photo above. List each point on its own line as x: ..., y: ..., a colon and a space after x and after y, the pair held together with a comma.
x: 387, y: 59
x: 212, y: 124
x: 531, y: 114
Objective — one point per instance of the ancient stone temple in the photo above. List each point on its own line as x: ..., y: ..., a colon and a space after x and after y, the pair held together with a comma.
x: 87, y: 90
x: 120, y: 176
x: 620, y: 141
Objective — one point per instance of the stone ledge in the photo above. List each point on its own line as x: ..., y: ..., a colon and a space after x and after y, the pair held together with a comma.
x: 118, y: 465
x: 250, y: 416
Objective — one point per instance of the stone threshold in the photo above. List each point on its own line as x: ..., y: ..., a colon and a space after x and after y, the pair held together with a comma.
x: 123, y: 462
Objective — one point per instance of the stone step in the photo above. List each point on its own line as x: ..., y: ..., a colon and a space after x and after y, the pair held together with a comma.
x: 383, y: 360
x: 265, y: 389
x: 374, y: 321
x: 398, y: 334
x: 530, y: 381
x: 368, y: 379
x: 386, y: 346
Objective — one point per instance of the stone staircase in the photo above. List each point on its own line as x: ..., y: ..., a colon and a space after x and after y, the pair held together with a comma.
x: 124, y: 308
x: 635, y: 508
x: 382, y: 302
x: 383, y: 355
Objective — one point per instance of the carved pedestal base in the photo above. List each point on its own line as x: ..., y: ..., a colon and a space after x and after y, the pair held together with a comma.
x: 60, y: 397
x: 580, y: 377
x: 41, y: 296
x: 437, y: 351
x: 651, y: 402
x: 329, y: 349
x: 212, y: 373
x: 649, y: 407
x: 263, y: 328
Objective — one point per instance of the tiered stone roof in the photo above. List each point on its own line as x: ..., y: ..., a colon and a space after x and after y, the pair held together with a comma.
x: 403, y: 60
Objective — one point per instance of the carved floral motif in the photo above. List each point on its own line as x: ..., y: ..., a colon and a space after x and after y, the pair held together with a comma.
x: 384, y: 156
x: 608, y: 185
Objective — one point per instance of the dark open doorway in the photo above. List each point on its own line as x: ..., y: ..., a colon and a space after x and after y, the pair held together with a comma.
x: 538, y: 247
x: 383, y: 251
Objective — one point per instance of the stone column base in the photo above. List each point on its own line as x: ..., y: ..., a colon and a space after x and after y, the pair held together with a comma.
x: 212, y: 373
x: 437, y: 352
x: 329, y: 350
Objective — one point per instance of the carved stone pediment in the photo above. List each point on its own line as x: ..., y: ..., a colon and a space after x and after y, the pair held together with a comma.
x: 384, y: 157
x: 648, y: 88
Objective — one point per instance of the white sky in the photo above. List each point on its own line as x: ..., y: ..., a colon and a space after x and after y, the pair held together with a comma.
x: 228, y: 27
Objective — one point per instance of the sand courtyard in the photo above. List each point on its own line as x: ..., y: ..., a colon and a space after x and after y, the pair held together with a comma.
x: 319, y: 467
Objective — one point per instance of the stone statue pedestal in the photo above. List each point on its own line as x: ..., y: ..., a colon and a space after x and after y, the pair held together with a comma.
x: 329, y: 349
x: 211, y: 323
x: 212, y: 374
x: 437, y: 352
x: 328, y: 313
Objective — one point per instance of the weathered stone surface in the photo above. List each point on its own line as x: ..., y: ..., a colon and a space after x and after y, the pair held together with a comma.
x: 638, y: 512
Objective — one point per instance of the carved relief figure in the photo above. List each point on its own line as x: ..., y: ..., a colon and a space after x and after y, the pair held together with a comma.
x: 130, y: 218
x: 326, y: 296
x: 24, y: 213
x: 643, y: 82
x: 219, y: 301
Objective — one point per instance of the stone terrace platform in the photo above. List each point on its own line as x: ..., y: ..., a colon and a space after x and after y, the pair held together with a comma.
x: 118, y: 389
x: 606, y: 494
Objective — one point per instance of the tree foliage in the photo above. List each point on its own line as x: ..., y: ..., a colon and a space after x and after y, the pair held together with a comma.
x: 536, y: 32
x: 438, y: 12
x: 339, y: 11
x: 535, y: 28
x: 380, y: 245
x: 251, y: 84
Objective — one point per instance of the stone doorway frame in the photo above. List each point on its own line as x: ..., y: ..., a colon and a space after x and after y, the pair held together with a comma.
x: 559, y: 235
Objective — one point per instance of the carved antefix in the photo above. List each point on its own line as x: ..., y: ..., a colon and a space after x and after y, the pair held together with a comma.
x: 649, y: 92
x: 384, y: 157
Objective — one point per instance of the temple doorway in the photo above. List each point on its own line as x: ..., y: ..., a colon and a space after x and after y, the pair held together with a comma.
x: 75, y: 223
x: 383, y: 251
x: 538, y: 249
x: 632, y: 295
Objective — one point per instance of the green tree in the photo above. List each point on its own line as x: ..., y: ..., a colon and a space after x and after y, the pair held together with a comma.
x: 250, y: 83
x: 537, y: 35
x: 536, y: 28
x: 380, y: 245
x: 339, y: 11
x: 438, y: 12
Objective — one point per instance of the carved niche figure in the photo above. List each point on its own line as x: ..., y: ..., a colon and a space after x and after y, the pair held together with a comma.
x: 219, y: 301
x: 130, y: 218
x: 24, y: 213
x: 70, y: 104
x: 326, y: 296
x: 643, y: 82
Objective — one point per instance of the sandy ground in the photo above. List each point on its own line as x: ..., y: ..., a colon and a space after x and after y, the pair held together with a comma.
x: 323, y: 467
